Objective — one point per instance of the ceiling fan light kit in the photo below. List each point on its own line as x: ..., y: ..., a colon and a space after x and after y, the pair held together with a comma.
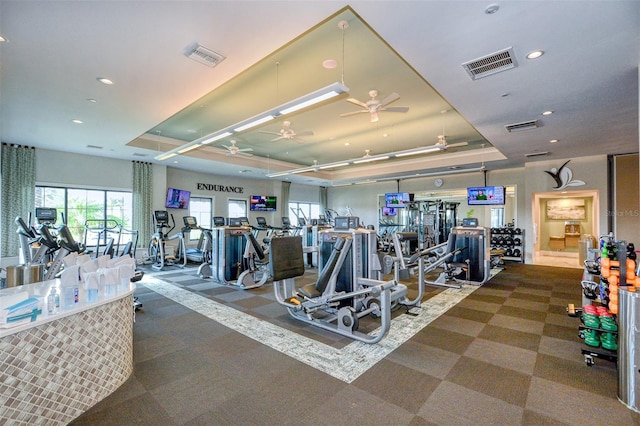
x: 373, y: 106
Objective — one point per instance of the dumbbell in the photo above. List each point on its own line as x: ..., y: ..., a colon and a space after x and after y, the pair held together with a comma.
x: 517, y: 241
x: 517, y: 231
x: 508, y: 252
x: 516, y: 253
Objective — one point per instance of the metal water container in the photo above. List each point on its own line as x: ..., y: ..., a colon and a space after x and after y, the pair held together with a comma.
x: 628, y: 341
x: 28, y: 273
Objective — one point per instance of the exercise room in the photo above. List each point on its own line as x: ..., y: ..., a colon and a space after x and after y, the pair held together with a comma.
x: 269, y: 213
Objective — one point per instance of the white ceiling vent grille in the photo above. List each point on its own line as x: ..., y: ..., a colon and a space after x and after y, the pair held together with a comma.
x: 491, y: 64
x: 525, y: 125
x: 205, y: 56
x: 139, y: 154
x: 537, y: 154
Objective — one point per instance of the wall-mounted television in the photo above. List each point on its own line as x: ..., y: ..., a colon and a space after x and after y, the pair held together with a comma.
x: 389, y: 211
x: 485, y: 195
x: 177, y: 199
x: 262, y: 203
x: 397, y: 199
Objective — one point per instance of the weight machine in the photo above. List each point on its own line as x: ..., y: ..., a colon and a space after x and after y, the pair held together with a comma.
x: 157, y: 253
x: 344, y: 293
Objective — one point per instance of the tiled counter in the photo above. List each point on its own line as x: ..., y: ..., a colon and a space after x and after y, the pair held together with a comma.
x: 57, y: 367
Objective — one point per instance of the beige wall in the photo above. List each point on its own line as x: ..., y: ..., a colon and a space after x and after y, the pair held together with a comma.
x: 626, y: 212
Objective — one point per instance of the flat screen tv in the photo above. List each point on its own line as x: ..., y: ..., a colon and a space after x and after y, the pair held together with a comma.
x: 485, y: 195
x: 389, y: 211
x: 397, y: 199
x: 177, y: 199
x: 262, y: 203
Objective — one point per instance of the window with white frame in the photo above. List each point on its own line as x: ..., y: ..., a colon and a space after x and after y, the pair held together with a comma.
x: 237, y: 208
x: 201, y: 209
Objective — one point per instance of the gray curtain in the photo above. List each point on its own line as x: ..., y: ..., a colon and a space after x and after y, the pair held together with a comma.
x: 18, y: 193
x: 286, y: 187
x: 323, y: 199
x: 143, y: 201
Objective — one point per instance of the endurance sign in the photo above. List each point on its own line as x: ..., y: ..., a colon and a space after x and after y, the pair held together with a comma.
x: 220, y: 188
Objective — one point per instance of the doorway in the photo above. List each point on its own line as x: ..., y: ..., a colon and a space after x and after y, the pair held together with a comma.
x: 561, y: 220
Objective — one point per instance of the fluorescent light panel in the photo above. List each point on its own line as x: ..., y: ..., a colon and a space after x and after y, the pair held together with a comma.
x: 305, y: 101
x: 418, y: 151
x: 254, y: 123
x: 332, y: 165
x: 188, y: 148
x: 215, y: 138
x: 370, y: 159
x: 313, y: 98
x: 166, y: 156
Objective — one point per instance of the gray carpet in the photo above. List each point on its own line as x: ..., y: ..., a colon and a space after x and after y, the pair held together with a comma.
x: 507, y: 354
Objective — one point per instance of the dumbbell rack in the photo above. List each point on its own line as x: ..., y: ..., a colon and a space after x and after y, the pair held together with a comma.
x: 511, y: 240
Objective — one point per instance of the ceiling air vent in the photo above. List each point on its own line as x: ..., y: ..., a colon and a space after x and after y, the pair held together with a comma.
x: 491, y: 64
x: 138, y: 154
x: 204, y: 56
x: 537, y: 154
x: 525, y: 125
x: 94, y: 146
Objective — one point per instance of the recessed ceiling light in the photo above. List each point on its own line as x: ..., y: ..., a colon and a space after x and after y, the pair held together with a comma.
x: 549, y: 112
x: 491, y: 9
x: 175, y: 161
x: 93, y: 101
x: 347, y: 143
x: 104, y: 80
x: 2, y: 39
x: 76, y: 121
x: 535, y: 54
x: 329, y: 64
x: 553, y: 141
x: 504, y: 95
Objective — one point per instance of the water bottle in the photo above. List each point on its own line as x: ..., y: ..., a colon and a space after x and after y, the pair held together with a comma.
x: 51, y: 301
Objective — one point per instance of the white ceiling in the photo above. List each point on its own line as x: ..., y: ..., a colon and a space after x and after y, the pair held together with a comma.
x: 274, y: 50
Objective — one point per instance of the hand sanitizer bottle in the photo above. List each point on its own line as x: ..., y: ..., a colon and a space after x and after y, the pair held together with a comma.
x: 53, y: 301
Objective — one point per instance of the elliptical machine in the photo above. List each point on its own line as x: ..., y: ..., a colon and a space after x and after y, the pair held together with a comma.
x: 157, y: 253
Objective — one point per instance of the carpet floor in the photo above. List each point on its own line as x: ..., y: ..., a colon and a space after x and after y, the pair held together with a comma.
x: 506, y: 354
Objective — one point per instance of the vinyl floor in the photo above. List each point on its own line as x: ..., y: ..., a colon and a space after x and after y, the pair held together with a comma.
x: 506, y: 354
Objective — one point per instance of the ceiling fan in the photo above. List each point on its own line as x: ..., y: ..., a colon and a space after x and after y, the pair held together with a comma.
x: 442, y: 143
x: 374, y: 106
x: 288, y: 133
x: 233, y: 150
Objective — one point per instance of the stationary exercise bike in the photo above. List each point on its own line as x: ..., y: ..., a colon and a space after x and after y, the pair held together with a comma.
x: 157, y: 253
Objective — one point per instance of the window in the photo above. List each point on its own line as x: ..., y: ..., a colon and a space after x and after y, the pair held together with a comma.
x: 201, y: 209
x: 87, y: 212
x: 497, y: 217
x: 305, y: 211
x: 237, y: 208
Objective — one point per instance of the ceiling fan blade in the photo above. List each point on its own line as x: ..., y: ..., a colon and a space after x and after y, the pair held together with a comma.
x: 357, y: 102
x: 305, y: 133
x: 453, y: 145
x: 391, y: 98
x: 228, y: 147
x: 245, y: 149
x: 245, y: 154
x: 277, y: 139
x: 346, y: 114
x: 269, y: 133
x: 396, y: 109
